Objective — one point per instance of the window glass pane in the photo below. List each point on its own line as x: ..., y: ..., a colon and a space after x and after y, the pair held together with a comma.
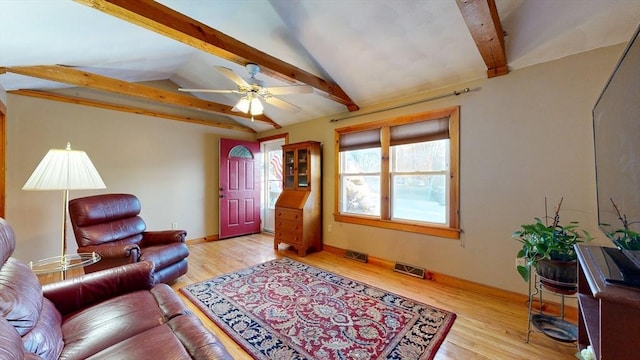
x: 420, y: 198
x: 360, y: 181
x: 361, y: 195
x: 241, y: 152
x: 275, y: 177
x: 423, y: 156
x: 361, y: 161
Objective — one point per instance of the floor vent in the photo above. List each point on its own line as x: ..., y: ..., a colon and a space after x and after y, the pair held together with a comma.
x: 358, y: 256
x: 409, y: 270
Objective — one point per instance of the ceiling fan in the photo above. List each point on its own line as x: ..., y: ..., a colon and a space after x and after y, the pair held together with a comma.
x: 253, y: 90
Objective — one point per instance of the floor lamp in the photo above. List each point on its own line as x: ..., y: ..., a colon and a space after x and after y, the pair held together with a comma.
x: 65, y: 169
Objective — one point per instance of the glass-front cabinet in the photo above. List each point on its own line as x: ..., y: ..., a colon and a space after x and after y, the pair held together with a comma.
x: 296, y: 163
x: 299, y: 207
x: 303, y: 168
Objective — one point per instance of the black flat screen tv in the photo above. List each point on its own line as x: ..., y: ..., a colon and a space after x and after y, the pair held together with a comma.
x: 616, y: 129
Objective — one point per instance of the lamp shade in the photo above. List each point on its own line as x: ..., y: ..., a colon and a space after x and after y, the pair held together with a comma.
x: 243, y: 104
x: 65, y: 169
x: 256, y: 107
x: 249, y: 104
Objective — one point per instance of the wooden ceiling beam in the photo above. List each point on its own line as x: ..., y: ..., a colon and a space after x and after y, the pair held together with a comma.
x: 48, y: 95
x: 170, y: 23
x: 481, y: 17
x: 68, y: 75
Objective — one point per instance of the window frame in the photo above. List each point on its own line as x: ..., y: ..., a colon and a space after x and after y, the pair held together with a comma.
x: 452, y: 230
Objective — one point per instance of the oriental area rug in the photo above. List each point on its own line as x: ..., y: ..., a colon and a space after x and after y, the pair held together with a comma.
x: 284, y: 309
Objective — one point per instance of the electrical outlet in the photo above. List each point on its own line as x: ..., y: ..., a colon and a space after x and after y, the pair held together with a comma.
x: 174, y: 225
x: 330, y: 228
x: 521, y: 262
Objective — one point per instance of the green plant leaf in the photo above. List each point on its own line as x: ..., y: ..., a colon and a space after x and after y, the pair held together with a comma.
x: 524, y: 272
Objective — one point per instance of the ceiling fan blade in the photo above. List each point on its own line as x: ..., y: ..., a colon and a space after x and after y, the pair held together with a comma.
x: 295, y: 89
x: 210, y: 91
x: 233, y: 76
x: 281, y: 104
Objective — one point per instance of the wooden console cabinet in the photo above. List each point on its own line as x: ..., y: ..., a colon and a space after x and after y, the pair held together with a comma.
x: 299, y: 206
x: 609, y: 315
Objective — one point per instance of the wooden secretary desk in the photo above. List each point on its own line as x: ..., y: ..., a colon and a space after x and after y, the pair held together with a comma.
x: 299, y: 206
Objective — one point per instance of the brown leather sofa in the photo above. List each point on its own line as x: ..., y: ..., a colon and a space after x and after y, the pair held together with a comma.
x: 116, y: 313
x: 110, y: 225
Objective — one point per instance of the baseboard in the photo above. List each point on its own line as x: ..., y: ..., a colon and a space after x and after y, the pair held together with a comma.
x: 571, y: 312
x: 195, y: 241
x: 212, y: 237
x: 207, y: 238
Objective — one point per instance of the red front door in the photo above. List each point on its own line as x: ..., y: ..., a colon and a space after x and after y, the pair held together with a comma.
x: 239, y: 188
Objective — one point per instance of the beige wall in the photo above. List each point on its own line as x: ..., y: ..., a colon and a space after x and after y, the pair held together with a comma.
x: 171, y: 166
x: 524, y: 136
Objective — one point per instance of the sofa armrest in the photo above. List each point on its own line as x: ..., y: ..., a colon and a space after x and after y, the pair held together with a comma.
x: 11, y: 341
x: 74, y: 294
x: 108, y: 251
x: 150, y: 238
x: 198, y: 340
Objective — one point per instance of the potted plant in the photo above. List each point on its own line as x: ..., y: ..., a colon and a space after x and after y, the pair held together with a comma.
x: 624, y: 238
x: 550, y: 250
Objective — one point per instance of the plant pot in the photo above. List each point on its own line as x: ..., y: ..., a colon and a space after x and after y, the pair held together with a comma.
x: 558, y: 276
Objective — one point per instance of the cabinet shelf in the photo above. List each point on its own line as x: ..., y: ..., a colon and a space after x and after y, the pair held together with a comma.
x: 590, y: 318
x: 609, y: 314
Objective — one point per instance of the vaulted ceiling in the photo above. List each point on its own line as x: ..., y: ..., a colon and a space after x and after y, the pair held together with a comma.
x: 134, y: 55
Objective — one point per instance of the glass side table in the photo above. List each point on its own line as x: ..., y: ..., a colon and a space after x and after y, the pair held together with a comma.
x: 62, y: 264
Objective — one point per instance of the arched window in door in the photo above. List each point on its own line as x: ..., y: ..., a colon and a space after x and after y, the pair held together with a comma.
x: 240, y: 151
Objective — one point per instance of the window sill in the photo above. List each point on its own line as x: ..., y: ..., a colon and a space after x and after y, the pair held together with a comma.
x: 445, y: 232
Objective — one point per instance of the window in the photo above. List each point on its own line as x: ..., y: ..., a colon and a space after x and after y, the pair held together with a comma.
x: 274, y: 176
x: 401, y: 173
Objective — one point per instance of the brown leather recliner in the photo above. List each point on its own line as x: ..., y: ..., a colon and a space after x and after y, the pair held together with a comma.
x: 117, y: 313
x: 110, y: 225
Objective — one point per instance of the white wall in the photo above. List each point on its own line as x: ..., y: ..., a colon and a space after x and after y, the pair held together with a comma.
x: 171, y: 166
x: 524, y: 136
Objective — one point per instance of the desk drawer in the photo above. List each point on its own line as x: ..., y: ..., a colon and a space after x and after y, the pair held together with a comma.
x: 289, y: 214
x: 289, y: 237
x: 289, y: 231
x: 289, y: 223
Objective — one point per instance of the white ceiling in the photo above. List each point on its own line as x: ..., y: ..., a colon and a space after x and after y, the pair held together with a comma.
x: 373, y: 49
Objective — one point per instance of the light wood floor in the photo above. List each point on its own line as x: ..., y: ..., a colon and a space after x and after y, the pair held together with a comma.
x: 488, y: 325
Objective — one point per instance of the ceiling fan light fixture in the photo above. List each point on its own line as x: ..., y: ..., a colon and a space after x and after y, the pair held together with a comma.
x: 256, y: 107
x: 250, y: 104
x: 243, y: 104
x: 254, y: 90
